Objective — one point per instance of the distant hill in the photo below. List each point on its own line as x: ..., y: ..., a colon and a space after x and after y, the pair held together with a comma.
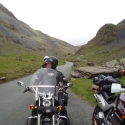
x: 108, y: 44
x: 16, y: 36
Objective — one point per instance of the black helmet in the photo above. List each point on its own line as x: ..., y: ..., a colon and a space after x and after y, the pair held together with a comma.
x: 53, y: 60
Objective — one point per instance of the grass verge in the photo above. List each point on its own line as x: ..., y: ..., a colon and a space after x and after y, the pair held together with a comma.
x: 81, y: 88
x: 13, y: 69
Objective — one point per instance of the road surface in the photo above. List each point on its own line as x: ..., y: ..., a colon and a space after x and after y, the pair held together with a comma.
x: 14, y: 105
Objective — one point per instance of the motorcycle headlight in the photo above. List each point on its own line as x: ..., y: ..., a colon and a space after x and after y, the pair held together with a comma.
x: 46, y: 102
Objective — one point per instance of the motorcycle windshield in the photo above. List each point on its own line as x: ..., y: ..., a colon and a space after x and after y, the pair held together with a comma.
x: 46, y: 77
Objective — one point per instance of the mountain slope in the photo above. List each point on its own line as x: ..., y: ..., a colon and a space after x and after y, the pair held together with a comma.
x: 108, y: 44
x: 16, y: 36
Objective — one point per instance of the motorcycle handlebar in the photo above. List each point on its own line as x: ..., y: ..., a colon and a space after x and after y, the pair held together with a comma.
x: 31, y: 88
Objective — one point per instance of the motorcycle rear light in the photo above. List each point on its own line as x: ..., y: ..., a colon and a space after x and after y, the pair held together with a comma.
x: 32, y: 107
x: 60, y: 108
x: 123, y: 116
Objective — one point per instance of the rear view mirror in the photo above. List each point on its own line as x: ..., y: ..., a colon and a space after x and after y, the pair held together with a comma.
x: 69, y: 84
x: 20, y: 83
x: 116, y: 88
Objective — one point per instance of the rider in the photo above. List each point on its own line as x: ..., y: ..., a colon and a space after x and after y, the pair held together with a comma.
x: 52, y: 62
x: 121, y: 71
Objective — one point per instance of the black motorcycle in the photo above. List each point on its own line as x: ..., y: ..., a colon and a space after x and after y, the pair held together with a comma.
x: 50, y: 99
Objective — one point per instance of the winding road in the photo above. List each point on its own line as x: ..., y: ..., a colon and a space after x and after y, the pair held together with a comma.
x: 14, y: 105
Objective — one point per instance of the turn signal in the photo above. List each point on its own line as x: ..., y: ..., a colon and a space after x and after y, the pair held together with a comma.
x: 123, y: 116
x: 32, y: 107
x: 60, y: 108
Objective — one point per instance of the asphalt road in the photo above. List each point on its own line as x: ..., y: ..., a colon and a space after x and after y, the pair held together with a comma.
x: 14, y: 105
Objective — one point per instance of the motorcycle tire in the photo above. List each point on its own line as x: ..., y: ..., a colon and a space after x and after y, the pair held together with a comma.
x: 95, y: 120
x: 46, y: 123
x: 29, y: 122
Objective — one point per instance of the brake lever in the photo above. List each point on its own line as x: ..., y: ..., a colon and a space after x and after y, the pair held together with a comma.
x: 27, y: 89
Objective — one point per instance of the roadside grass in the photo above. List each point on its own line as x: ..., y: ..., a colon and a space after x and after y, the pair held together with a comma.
x: 71, y: 58
x: 81, y: 87
x: 122, y: 80
x: 74, y: 58
x: 13, y: 69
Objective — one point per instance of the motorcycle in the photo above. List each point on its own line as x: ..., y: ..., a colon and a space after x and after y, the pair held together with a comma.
x: 50, y: 99
x: 110, y: 109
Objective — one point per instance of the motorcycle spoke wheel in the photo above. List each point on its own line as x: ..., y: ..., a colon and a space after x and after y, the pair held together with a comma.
x: 46, y: 123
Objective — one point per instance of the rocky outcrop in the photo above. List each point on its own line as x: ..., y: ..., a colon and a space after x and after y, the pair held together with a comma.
x: 93, y: 71
x: 78, y: 64
x: 122, y: 62
x: 73, y: 79
x: 116, y: 64
x: 112, y: 63
x: 19, y: 58
x: 3, y: 79
x: 75, y: 74
x: 90, y: 72
x: 90, y: 63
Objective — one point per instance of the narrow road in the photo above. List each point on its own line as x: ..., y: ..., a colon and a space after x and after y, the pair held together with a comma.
x: 79, y: 111
x: 14, y: 105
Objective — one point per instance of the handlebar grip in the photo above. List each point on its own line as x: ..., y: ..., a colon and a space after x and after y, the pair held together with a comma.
x: 28, y: 89
x: 25, y: 90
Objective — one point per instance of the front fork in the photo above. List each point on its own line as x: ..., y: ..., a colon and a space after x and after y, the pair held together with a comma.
x: 38, y: 119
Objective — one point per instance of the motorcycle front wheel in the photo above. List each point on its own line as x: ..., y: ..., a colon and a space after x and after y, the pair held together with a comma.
x: 31, y: 122
x: 46, y: 123
x: 95, y: 117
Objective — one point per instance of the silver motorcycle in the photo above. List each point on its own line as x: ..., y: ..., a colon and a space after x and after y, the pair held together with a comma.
x: 110, y: 109
x: 46, y: 110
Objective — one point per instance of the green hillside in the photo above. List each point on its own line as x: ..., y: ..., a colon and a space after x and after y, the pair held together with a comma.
x: 106, y: 45
x: 18, y: 39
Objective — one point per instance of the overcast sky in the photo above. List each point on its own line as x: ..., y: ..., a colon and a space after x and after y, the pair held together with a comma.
x: 74, y: 21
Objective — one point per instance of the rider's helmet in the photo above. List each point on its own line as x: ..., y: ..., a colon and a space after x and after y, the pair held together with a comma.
x: 53, y: 60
